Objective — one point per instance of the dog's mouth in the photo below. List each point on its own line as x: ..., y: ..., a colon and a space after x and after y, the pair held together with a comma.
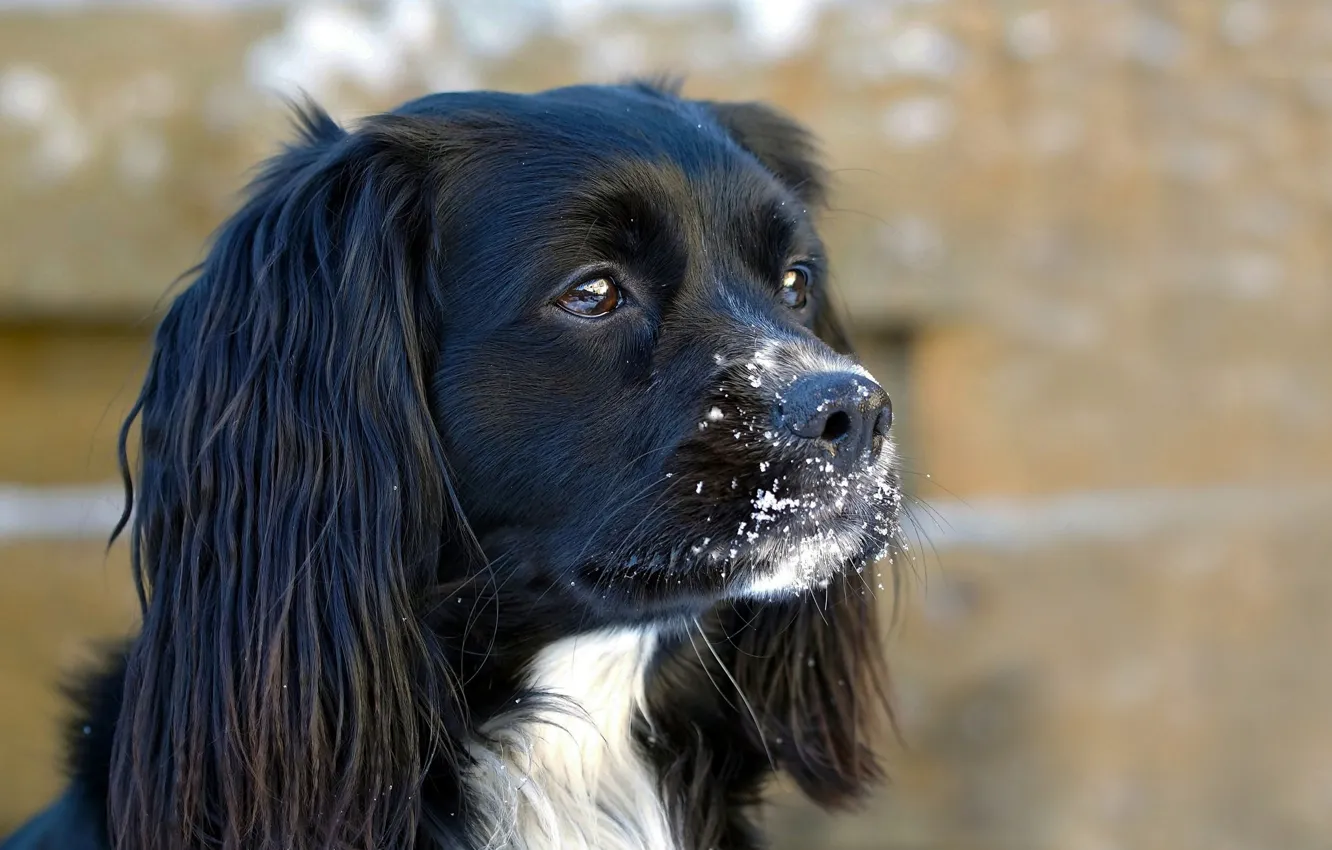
x: 800, y: 528
x: 797, y: 535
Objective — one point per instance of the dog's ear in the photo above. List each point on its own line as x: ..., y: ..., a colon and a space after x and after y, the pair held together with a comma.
x: 777, y: 141
x: 812, y: 672
x: 811, y: 667
x: 291, y: 499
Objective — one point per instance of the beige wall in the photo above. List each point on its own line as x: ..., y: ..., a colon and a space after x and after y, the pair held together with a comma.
x: 1103, y: 227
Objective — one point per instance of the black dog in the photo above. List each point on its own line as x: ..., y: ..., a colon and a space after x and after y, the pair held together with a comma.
x: 500, y: 486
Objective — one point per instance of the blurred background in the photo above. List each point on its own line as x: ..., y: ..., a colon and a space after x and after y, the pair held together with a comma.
x: 1085, y: 244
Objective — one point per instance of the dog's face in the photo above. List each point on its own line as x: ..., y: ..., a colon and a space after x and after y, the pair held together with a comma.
x: 591, y: 328
x: 638, y: 411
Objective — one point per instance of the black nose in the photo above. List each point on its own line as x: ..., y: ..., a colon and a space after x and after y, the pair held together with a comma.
x: 843, y: 413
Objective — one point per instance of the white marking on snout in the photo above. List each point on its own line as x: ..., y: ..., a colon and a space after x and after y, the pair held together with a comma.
x: 787, y: 361
x: 820, y: 553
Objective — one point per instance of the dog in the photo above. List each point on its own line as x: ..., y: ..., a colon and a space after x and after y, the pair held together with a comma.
x: 504, y: 480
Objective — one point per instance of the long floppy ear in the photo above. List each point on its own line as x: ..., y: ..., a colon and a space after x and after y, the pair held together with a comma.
x: 291, y: 500
x: 812, y: 668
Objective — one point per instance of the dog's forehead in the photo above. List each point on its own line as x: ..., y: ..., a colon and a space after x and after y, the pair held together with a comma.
x: 583, y: 131
x: 638, y: 180
x: 669, y: 161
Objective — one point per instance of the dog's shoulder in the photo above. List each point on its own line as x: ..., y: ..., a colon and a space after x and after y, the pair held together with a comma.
x: 77, y: 819
x: 73, y: 822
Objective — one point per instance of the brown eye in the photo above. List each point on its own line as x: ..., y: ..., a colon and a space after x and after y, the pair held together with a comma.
x: 591, y: 298
x: 795, y: 287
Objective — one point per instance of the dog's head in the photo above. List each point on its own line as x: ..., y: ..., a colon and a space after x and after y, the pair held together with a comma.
x: 628, y: 375
x: 573, y: 347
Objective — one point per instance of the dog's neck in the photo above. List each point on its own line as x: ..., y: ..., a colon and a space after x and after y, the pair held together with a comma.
x: 560, y: 767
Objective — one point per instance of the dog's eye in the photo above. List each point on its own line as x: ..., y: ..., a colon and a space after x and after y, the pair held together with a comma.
x: 591, y: 298
x: 795, y: 287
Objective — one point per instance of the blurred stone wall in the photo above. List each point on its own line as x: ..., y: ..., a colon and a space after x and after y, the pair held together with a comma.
x: 1088, y: 240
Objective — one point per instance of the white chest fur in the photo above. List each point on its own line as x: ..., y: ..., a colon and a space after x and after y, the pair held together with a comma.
x: 569, y: 775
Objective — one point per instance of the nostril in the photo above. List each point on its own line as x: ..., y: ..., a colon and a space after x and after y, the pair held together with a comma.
x: 841, y: 412
x: 837, y: 426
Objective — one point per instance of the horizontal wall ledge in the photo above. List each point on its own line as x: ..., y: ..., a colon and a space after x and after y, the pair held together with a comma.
x: 90, y: 511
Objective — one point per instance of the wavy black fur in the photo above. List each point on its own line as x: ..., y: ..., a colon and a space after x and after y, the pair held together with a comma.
x: 379, y: 471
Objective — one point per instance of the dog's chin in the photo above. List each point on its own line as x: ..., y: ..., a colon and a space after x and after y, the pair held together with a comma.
x: 788, y: 568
